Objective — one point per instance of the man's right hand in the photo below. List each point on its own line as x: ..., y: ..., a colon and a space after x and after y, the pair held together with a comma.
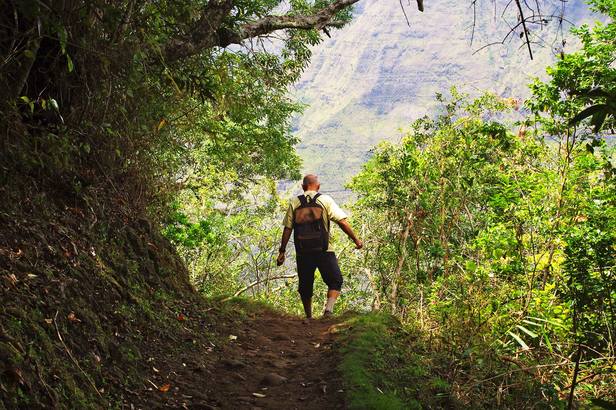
x: 280, y: 259
x: 358, y: 244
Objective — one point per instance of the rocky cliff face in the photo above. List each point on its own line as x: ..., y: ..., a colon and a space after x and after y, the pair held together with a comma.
x: 377, y: 75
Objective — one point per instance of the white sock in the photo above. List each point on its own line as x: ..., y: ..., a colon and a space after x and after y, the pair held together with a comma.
x: 329, y: 306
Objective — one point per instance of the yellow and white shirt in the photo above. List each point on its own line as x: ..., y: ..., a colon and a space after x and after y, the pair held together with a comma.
x: 332, y: 212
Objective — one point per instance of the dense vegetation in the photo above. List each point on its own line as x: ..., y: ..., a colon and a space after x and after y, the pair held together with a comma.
x: 500, y: 245
x: 489, y: 229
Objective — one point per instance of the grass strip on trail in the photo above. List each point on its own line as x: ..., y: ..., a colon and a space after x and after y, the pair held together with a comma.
x: 376, y: 367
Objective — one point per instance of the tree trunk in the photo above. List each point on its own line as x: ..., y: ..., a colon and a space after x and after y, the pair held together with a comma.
x: 561, y: 192
x: 23, y: 68
x: 398, y: 272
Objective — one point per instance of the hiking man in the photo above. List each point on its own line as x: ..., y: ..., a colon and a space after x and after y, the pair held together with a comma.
x: 309, y: 216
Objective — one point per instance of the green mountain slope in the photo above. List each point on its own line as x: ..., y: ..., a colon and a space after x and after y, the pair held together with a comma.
x: 379, y: 74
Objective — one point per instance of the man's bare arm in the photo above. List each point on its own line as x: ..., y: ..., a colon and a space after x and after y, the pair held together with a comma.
x: 346, y: 228
x: 286, y: 235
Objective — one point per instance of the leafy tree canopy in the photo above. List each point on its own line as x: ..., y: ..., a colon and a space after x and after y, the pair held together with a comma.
x: 155, y: 93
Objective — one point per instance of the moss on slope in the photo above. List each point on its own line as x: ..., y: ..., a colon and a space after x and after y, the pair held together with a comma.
x: 383, y: 366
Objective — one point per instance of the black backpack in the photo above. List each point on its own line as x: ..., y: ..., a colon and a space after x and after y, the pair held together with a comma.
x: 309, y: 230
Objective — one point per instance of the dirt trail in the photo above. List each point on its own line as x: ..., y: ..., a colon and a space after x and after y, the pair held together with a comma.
x: 288, y: 364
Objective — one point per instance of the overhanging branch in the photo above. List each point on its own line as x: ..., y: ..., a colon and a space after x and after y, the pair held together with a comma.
x: 209, y: 31
x: 323, y: 18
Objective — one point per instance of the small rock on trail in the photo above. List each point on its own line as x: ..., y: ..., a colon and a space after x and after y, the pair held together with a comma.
x: 273, y: 379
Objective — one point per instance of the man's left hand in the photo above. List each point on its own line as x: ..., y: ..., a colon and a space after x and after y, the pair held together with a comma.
x: 280, y: 259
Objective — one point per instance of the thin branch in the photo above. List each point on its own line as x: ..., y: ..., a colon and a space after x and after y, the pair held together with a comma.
x: 530, y: 51
x: 258, y: 282
x: 55, y: 322
x: 575, y: 375
x: 408, y: 23
x: 498, y: 42
x: 474, y: 3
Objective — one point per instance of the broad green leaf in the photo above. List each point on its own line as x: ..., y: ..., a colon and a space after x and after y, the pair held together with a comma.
x: 69, y: 63
x: 519, y: 340
x: 547, y: 342
x: 528, y: 332
x: 548, y: 321
x: 63, y: 37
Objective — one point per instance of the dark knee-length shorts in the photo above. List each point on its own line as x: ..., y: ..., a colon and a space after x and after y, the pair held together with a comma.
x: 328, y: 267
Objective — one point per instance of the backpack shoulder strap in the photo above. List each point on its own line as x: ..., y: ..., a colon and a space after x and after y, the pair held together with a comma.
x: 302, y: 199
x: 314, y: 201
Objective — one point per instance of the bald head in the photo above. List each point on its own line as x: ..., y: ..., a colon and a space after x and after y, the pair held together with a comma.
x: 311, y: 183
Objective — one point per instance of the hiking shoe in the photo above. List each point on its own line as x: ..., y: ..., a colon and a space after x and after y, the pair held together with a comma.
x: 327, y: 314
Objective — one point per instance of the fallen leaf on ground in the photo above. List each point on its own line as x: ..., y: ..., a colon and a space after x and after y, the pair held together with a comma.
x: 580, y: 218
x: 15, y: 374
x: 73, y: 318
x: 232, y: 337
x: 260, y: 395
x: 49, y: 321
x: 165, y: 388
x: 181, y: 317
